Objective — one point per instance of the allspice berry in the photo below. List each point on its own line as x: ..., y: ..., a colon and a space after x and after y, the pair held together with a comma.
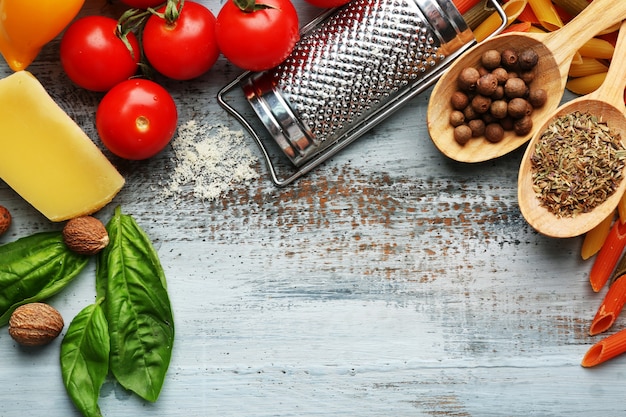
x: 35, y: 324
x: 477, y: 127
x: 468, y: 78
x: 499, y: 109
x: 85, y: 235
x: 490, y: 59
x: 494, y: 132
x: 523, y: 126
x: 487, y: 84
x: 537, y: 97
x: 5, y: 219
x: 518, y: 108
x: 515, y: 87
x: 457, y: 118
x: 481, y: 104
x: 462, y: 134
x: 459, y: 100
x: 508, y: 58
x: 527, y: 59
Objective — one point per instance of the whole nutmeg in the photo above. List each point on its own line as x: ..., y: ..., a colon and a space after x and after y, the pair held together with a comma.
x: 85, y: 235
x: 5, y: 219
x: 35, y: 324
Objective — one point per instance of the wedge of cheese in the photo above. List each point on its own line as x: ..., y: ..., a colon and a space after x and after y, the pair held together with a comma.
x: 46, y: 157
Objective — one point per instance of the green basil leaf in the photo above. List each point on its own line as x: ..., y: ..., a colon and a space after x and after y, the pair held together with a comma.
x: 137, y: 307
x: 34, y: 268
x: 85, y: 359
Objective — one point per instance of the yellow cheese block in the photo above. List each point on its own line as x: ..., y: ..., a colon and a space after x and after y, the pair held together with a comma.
x: 46, y: 157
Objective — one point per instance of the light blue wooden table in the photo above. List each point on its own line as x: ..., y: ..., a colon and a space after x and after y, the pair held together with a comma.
x: 391, y: 281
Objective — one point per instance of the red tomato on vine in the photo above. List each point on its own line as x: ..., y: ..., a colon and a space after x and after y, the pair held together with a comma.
x: 93, y: 55
x: 136, y: 119
x: 180, y: 42
x: 257, y: 36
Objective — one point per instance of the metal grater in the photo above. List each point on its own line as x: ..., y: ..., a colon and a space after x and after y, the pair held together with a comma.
x: 352, y: 67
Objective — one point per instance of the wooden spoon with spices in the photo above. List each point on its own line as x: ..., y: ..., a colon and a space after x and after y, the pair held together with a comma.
x: 571, y: 196
x: 556, y: 51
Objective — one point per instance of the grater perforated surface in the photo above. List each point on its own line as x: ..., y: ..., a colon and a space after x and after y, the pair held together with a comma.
x: 361, y: 57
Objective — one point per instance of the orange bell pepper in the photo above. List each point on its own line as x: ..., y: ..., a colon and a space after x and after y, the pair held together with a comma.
x: 27, y: 25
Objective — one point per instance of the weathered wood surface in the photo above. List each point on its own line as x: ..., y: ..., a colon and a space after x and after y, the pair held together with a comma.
x: 389, y: 282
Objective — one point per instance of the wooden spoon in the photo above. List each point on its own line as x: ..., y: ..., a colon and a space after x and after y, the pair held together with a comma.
x: 556, y: 51
x: 607, y: 104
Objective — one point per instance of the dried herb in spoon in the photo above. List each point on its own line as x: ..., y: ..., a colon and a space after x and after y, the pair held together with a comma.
x: 577, y: 164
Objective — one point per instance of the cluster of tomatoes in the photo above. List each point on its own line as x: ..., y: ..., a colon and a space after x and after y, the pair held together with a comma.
x: 181, y: 40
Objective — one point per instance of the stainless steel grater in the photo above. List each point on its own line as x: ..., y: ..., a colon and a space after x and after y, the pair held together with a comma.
x: 352, y: 67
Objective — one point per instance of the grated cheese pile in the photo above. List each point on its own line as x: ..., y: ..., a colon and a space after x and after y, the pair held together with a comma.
x: 209, y: 160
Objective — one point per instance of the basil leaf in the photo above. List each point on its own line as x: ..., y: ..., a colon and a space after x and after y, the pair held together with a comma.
x: 34, y: 268
x: 85, y: 359
x: 137, y: 307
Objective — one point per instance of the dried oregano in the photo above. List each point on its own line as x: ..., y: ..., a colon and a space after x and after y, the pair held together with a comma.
x: 577, y: 164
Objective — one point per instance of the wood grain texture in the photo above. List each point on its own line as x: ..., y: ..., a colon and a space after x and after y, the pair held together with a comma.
x: 391, y: 281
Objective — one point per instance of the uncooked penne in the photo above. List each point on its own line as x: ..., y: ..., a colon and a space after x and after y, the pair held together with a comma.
x: 610, y: 308
x: 573, y: 7
x: 607, y: 348
x: 585, y: 85
x: 587, y: 66
x: 512, y: 9
x: 546, y: 14
x: 595, y: 238
x: 463, y: 6
x: 597, y: 48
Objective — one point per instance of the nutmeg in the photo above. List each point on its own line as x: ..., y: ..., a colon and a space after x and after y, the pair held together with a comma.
x: 35, y: 324
x: 85, y: 235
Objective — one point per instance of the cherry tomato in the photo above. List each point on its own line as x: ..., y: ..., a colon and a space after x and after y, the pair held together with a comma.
x: 94, y: 57
x: 327, y: 4
x: 254, y: 37
x: 136, y: 119
x: 184, y: 48
x: 142, y: 4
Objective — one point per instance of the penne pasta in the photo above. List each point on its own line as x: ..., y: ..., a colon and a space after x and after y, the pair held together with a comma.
x: 610, y: 308
x: 587, y: 66
x: 607, y: 348
x: 595, y: 238
x: 463, y: 6
x: 518, y: 27
x: 608, y: 256
x: 546, y: 14
x: 528, y: 16
x: 585, y: 85
x: 597, y: 48
x: 573, y: 7
x: 512, y: 9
